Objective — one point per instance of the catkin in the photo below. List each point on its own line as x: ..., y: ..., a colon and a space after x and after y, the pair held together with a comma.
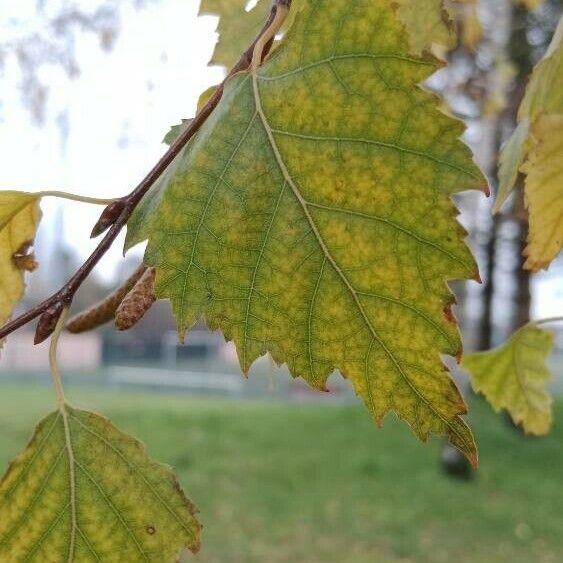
x: 137, y: 302
x: 105, y: 310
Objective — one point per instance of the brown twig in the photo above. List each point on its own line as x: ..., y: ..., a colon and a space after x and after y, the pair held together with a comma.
x: 116, y: 215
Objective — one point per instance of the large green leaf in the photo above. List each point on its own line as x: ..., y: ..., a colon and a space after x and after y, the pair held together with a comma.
x: 311, y: 217
x: 514, y: 375
x: 84, y: 491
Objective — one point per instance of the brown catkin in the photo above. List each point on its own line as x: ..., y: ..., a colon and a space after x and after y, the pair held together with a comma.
x: 137, y: 302
x: 104, y: 311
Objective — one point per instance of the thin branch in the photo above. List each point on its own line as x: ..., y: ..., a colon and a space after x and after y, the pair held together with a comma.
x: 116, y: 215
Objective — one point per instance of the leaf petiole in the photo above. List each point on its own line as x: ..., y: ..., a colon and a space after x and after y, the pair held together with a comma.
x: 56, y: 374
x: 75, y: 197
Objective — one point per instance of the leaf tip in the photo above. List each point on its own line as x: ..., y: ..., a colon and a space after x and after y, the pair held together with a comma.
x: 461, y: 437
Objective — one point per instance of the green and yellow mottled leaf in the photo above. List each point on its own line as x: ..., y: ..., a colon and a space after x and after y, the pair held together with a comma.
x: 514, y: 376
x: 311, y: 217
x: 19, y: 218
x: 236, y: 28
x: 176, y: 131
x: 428, y: 23
x: 84, y: 491
x: 536, y: 150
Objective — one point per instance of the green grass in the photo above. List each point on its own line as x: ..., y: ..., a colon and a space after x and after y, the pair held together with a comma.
x: 283, y: 483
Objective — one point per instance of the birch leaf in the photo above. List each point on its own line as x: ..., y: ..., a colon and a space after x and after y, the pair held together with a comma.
x: 19, y: 219
x: 513, y: 377
x: 431, y: 24
x: 311, y: 217
x: 544, y: 191
x: 536, y: 150
x: 84, y: 491
x: 427, y: 23
x: 236, y: 28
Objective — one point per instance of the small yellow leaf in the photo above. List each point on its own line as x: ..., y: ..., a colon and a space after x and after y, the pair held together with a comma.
x: 236, y: 28
x: 84, y: 491
x: 536, y: 149
x: 176, y: 131
x: 19, y: 218
x: 513, y: 377
x: 427, y: 23
x: 205, y: 97
x: 544, y: 191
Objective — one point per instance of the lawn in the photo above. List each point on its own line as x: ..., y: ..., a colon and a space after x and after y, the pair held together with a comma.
x: 320, y: 483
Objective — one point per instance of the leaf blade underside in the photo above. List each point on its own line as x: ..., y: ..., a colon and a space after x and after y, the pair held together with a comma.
x: 311, y: 217
x: 88, y: 492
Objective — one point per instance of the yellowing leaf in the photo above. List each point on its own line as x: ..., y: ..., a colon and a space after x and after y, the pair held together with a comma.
x: 544, y: 191
x: 511, y: 158
x: 536, y: 149
x: 514, y: 376
x: 427, y: 23
x: 236, y: 28
x: 19, y: 218
x: 84, y: 491
x: 205, y: 97
x: 176, y: 131
x: 311, y: 217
